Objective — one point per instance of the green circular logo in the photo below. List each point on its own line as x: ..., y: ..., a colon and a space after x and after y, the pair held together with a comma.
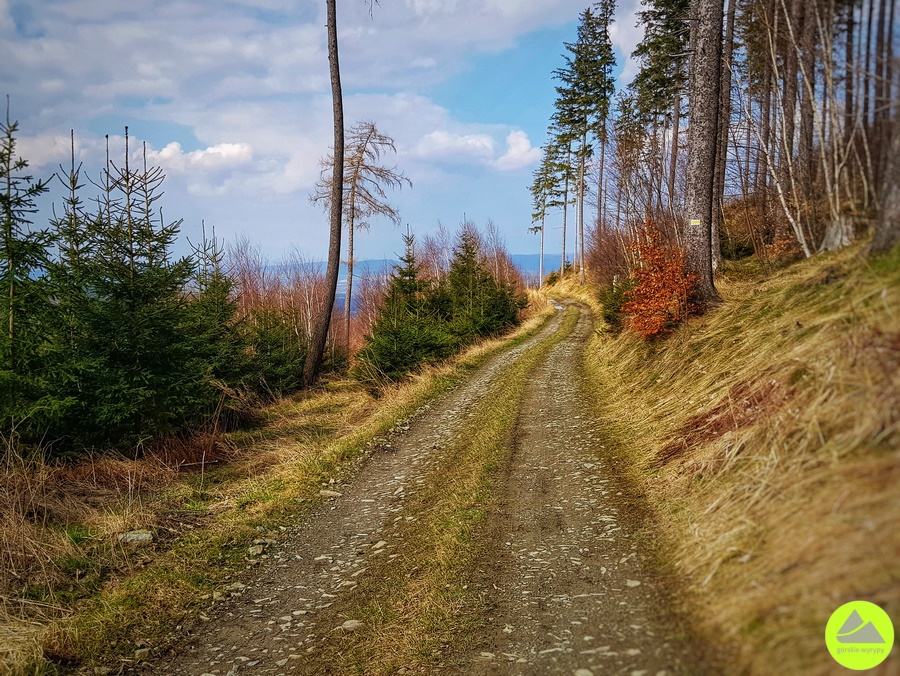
x: 859, y: 635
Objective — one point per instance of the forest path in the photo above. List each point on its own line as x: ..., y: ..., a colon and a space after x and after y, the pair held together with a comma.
x: 568, y: 578
x: 486, y: 538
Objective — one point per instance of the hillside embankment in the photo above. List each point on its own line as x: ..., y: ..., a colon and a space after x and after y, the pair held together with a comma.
x: 764, y: 437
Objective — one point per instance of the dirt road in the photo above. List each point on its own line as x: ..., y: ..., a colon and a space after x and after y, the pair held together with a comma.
x: 557, y: 581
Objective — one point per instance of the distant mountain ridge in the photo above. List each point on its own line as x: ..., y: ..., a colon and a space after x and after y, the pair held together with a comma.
x: 528, y: 265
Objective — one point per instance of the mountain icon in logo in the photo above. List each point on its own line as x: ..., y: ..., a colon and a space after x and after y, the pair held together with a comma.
x: 856, y: 630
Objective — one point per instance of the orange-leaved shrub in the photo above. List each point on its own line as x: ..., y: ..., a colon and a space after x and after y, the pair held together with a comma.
x: 661, y: 297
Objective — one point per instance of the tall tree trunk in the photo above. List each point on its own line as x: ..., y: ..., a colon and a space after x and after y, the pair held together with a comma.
x: 748, y: 145
x: 889, y: 103
x: 867, y: 79
x: 789, y: 91
x: 541, y: 262
x: 724, y: 130
x: 706, y: 29
x: 313, y: 362
x: 849, y: 83
x: 761, y: 173
x: 619, y: 203
x: 805, y: 155
x: 880, y: 141
x: 889, y: 69
x: 601, y: 182
x: 761, y: 178
x: 887, y: 230
x: 673, y: 158
x: 348, y: 302
x: 562, y: 266
x: 8, y: 221
x: 659, y: 132
x: 581, y: 214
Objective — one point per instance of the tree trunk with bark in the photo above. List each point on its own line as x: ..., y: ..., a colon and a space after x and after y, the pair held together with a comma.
x: 724, y: 130
x: 581, y: 191
x: 348, y: 300
x: 541, y: 262
x: 673, y: 158
x: 313, y: 362
x: 562, y: 266
x: 880, y: 140
x: 806, y: 142
x: 706, y: 30
x: 887, y: 231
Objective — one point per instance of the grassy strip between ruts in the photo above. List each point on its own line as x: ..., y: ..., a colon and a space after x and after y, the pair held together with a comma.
x: 418, y: 606
x: 203, y: 521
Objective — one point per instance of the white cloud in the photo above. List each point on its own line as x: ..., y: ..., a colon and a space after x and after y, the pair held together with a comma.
x: 216, y: 158
x: 625, y: 34
x: 519, y: 153
x: 426, y: 7
x: 6, y: 22
x: 45, y: 151
x: 240, y: 89
x: 477, y: 148
x: 445, y: 145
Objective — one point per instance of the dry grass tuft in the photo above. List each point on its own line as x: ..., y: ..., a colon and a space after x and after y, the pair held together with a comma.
x: 20, y: 647
x: 766, y: 436
x: 744, y: 405
x: 538, y: 303
x: 570, y: 287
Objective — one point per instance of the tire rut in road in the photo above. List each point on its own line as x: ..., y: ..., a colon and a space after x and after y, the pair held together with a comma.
x: 568, y: 580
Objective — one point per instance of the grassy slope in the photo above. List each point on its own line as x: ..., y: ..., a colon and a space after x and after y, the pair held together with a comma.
x: 765, y: 437
x: 88, y: 599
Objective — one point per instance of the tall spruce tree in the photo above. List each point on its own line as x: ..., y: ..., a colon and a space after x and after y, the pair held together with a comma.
x: 218, y: 358
x: 660, y: 81
x: 546, y: 193
x: 583, y: 97
x: 408, y: 332
x: 139, y: 387
x: 481, y: 304
x: 23, y: 287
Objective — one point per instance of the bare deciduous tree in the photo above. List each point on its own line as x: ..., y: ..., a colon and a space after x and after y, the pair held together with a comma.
x: 365, y: 181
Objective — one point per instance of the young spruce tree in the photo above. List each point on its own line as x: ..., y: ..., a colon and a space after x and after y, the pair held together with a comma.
x: 407, y: 332
x: 23, y: 287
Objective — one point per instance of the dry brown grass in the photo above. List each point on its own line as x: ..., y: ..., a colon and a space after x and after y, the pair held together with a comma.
x: 538, y: 303
x: 70, y: 591
x: 766, y: 437
x: 570, y: 287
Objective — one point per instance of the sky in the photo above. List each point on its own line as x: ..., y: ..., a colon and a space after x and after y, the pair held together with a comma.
x: 233, y: 101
